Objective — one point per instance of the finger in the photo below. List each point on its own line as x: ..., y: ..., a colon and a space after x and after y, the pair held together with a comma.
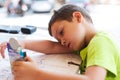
x: 17, y: 63
x: 17, y: 77
x: 15, y: 71
x: 28, y: 59
x: 15, y: 68
x: 4, y: 44
x: 2, y: 49
x: 3, y: 56
x: 3, y: 52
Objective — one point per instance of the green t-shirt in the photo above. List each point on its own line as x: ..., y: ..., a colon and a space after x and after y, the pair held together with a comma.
x: 102, y: 51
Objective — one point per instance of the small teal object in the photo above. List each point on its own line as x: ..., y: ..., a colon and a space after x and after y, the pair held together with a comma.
x: 22, y: 54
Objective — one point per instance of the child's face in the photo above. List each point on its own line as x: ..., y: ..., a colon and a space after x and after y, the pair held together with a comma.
x: 69, y: 34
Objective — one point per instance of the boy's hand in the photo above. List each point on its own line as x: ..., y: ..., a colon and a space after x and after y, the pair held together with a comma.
x: 24, y: 69
x: 2, y: 49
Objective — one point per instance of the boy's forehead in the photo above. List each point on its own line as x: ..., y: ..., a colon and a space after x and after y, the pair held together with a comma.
x: 54, y: 28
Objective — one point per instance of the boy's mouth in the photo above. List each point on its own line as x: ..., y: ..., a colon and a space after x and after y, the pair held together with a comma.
x: 69, y: 45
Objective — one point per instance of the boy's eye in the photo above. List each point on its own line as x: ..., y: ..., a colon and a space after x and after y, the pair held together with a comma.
x: 61, y: 32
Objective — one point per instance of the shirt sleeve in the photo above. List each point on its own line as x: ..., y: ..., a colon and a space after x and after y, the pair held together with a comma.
x: 101, y: 53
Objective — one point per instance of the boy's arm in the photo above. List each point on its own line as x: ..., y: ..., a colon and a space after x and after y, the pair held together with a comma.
x: 92, y: 73
x: 45, y: 46
x: 28, y: 70
x: 46, y: 75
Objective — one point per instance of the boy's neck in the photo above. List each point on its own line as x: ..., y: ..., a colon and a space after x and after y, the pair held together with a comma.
x: 90, y: 33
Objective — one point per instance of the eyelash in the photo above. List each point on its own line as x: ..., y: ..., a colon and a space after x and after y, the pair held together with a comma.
x: 61, y: 32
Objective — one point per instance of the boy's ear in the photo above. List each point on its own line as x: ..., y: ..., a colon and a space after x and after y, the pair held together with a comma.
x: 78, y: 16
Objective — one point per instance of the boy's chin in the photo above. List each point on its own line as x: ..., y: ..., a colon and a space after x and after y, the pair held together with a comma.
x: 76, y: 49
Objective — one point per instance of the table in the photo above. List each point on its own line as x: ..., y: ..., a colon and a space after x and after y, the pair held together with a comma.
x: 54, y: 62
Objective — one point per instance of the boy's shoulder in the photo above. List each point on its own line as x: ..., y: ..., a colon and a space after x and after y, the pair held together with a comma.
x: 103, y: 37
x: 103, y: 34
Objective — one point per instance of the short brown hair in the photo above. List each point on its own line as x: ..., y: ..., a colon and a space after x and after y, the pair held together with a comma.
x: 65, y: 13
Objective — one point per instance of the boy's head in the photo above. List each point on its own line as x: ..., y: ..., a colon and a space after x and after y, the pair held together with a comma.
x: 66, y: 13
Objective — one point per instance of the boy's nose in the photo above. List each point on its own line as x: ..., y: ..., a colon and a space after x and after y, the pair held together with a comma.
x: 63, y: 42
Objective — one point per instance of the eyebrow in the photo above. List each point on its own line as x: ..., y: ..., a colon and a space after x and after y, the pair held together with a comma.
x: 56, y: 31
x: 56, y: 34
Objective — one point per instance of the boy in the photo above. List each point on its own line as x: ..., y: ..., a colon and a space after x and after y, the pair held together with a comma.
x: 74, y: 30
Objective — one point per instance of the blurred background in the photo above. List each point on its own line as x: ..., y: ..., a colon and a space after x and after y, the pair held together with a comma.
x: 28, y: 19
x: 105, y: 13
